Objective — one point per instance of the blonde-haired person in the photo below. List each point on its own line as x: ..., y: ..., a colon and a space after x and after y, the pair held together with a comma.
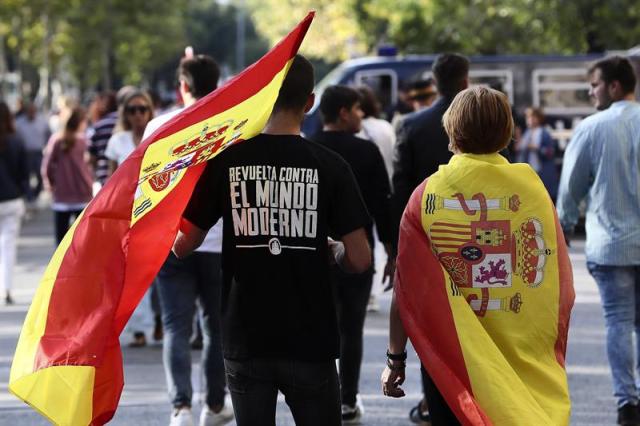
x: 134, y: 114
x: 537, y: 148
x: 136, y: 110
x: 483, y: 273
x: 66, y: 171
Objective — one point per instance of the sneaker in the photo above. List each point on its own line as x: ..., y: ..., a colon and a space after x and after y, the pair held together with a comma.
x: 224, y: 416
x: 351, y: 414
x: 139, y: 340
x: 628, y: 415
x: 181, y: 417
x: 419, y: 417
x: 373, y: 305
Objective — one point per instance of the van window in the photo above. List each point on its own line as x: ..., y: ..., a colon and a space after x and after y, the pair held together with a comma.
x: 383, y: 82
x: 501, y: 80
x: 561, y: 91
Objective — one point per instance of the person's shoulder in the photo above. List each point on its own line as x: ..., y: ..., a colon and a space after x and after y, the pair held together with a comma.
x: 365, y: 145
x: 108, y: 120
x: 411, y: 118
x: 158, y: 121
x: 427, y: 116
x: 378, y: 125
x: 15, y: 141
x: 120, y: 137
x: 326, y: 155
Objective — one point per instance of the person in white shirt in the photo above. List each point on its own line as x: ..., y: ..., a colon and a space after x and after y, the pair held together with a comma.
x: 381, y: 133
x: 180, y: 282
x: 134, y: 114
x: 33, y: 128
x: 375, y: 129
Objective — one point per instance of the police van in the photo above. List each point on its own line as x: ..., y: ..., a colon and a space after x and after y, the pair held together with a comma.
x: 557, y: 83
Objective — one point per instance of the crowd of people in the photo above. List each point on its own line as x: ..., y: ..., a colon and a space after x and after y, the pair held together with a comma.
x: 280, y: 324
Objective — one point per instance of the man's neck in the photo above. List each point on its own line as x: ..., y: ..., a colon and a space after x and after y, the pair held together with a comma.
x: 188, y: 100
x: 283, y: 123
x: 334, y: 127
x: 628, y: 97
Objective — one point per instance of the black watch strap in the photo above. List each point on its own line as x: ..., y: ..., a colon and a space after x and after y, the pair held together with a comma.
x: 397, y: 357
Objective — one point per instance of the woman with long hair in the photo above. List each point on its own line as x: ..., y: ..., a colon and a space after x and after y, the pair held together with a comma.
x: 14, y: 175
x: 66, y: 171
x: 135, y: 112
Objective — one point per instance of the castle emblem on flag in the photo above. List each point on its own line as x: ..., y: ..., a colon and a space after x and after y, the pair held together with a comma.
x: 488, y: 254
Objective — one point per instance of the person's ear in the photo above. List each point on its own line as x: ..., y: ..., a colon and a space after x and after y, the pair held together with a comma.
x: 310, y: 101
x: 343, y: 114
x: 184, y: 87
x: 615, y: 90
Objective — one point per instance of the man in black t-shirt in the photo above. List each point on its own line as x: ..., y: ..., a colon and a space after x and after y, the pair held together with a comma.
x: 281, y: 197
x: 342, y: 117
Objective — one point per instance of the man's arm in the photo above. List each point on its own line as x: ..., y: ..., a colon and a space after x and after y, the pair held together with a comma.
x: 353, y: 254
x: 188, y: 239
x: 575, y: 179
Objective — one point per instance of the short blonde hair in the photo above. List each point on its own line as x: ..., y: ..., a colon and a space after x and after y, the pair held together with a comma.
x: 479, y: 121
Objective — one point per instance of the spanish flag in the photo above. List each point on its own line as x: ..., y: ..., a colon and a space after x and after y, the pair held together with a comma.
x: 68, y: 362
x: 484, y: 288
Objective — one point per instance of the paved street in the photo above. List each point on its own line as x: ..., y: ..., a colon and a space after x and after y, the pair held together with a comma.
x: 144, y: 400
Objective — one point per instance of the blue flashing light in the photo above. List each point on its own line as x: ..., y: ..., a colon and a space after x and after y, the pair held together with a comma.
x: 387, y: 50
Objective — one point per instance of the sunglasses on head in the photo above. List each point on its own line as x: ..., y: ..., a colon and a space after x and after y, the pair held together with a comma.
x: 132, y: 109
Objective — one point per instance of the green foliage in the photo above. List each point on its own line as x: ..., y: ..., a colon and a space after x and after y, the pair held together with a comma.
x: 349, y: 27
x: 112, y: 42
x: 212, y: 30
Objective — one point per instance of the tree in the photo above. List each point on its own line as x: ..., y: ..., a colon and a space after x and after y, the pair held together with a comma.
x: 334, y: 34
x: 467, y: 26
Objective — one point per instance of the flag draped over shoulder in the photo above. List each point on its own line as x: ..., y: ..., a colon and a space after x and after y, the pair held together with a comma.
x: 484, y: 288
x: 68, y: 362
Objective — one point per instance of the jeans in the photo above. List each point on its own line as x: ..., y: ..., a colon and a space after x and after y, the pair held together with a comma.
x: 180, y: 282
x: 620, y: 292
x: 34, y: 160
x: 10, y: 214
x: 310, y: 390
x: 63, y: 221
x: 351, y: 294
x: 441, y: 414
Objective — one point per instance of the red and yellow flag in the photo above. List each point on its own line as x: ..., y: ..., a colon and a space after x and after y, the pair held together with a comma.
x: 484, y: 289
x: 68, y: 362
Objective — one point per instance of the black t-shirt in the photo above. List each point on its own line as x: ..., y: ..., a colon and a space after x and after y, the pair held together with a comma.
x: 280, y: 197
x: 368, y: 167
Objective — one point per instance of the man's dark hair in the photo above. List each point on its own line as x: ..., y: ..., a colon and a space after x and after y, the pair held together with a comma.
x: 297, y: 86
x: 616, y: 68
x: 368, y: 102
x: 201, y: 73
x: 334, y: 98
x: 450, y: 71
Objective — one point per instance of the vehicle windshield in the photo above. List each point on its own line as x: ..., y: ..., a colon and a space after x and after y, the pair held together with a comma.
x: 328, y: 80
